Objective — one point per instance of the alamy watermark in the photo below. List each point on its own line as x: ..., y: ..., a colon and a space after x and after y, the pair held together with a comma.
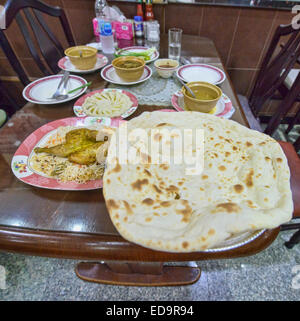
x: 2, y: 278
x: 296, y: 18
x: 160, y: 145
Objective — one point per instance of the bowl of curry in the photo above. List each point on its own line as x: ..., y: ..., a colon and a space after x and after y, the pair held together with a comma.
x: 82, y: 57
x: 207, y: 96
x: 129, y: 68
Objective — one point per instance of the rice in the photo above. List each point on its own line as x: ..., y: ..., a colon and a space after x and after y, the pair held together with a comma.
x: 60, y: 167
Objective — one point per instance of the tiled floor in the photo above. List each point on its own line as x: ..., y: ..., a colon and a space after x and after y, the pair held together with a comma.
x: 292, y: 135
x: 268, y: 275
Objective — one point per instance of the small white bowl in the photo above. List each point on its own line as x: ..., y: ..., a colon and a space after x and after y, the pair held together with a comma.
x: 162, y: 70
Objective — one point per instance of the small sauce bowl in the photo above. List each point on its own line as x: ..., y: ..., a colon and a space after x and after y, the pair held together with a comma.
x: 166, y: 67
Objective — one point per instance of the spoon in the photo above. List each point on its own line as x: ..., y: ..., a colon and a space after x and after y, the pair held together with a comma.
x: 184, y: 61
x: 187, y: 88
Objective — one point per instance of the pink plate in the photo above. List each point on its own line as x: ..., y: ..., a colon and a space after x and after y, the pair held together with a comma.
x: 223, y: 109
x: 79, y: 112
x: 20, y: 162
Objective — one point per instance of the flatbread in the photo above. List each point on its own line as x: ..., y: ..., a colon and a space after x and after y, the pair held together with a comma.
x: 244, y: 185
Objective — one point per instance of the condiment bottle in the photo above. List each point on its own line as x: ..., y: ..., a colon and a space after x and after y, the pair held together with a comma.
x: 138, y: 26
x: 99, y: 12
x: 99, y: 8
x: 153, y: 31
x: 139, y: 9
x: 106, y: 37
x: 149, y: 16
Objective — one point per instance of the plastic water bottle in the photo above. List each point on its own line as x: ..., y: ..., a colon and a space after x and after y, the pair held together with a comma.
x: 106, y: 37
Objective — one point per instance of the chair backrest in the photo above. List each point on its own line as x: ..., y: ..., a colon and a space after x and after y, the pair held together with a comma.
x: 276, y: 65
x: 50, y: 48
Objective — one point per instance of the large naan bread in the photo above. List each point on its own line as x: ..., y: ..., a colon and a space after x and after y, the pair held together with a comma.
x: 244, y: 185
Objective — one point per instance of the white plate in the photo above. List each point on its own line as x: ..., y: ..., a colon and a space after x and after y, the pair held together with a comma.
x: 40, y: 91
x: 79, y: 111
x: 138, y: 49
x: 109, y: 74
x: 96, y: 45
x: 65, y: 64
x: 223, y: 108
x: 201, y: 72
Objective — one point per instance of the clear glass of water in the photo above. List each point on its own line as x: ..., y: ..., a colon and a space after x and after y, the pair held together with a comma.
x: 175, y: 43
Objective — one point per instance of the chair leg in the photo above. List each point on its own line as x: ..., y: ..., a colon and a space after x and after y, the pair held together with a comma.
x: 276, y: 119
x: 293, y: 122
x: 295, y: 239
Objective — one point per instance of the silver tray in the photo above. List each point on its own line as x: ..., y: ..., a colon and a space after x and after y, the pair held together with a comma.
x: 236, y: 241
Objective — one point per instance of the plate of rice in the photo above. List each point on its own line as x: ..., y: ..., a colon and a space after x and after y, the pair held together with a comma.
x: 106, y: 103
x: 50, y: 171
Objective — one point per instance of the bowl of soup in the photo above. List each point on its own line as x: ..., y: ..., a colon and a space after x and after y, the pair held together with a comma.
x: 207, y: 96
x: 166, y: 67
x: 129, y: 68
x: 82, y: 57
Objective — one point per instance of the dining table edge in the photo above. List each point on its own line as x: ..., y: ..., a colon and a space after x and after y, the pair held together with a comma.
x: 88, y: 246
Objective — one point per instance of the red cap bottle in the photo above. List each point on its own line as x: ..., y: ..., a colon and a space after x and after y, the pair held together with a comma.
x: 139, y: 9
x: 149, y: 11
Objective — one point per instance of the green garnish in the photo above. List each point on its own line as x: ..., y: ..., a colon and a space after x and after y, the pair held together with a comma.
x: 146, y: 55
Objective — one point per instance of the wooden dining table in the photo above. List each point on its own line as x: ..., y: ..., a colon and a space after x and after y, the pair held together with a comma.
x: 76, y: 224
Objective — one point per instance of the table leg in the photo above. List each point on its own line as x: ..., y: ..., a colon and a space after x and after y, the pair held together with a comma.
x: 137, y: 273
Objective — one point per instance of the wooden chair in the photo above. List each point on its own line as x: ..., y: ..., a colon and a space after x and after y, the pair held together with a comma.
x: 277, y: 64
x: 270, y: 82
x: 289, y: 81
x: 50, y: 48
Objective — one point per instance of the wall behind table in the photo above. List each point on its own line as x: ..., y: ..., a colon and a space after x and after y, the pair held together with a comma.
x: 241, y: 35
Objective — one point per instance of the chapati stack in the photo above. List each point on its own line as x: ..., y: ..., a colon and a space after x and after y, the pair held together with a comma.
x: 168, y: 206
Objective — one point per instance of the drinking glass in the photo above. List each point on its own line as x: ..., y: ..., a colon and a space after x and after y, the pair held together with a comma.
x: 175, y: 43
